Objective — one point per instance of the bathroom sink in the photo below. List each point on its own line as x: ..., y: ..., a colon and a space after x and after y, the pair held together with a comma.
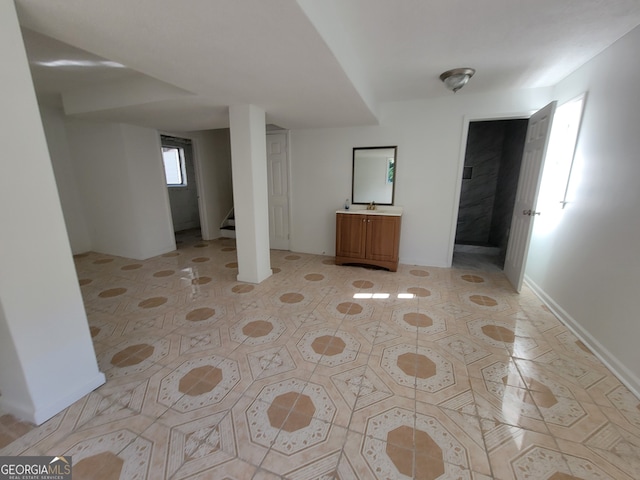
x: 380, y: 210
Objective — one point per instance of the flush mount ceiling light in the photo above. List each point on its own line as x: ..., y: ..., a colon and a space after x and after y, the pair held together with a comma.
x: 79, y: 63
x: 457, y: 78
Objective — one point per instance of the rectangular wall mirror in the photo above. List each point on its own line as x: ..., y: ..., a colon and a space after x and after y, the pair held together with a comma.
x: 374, y: 175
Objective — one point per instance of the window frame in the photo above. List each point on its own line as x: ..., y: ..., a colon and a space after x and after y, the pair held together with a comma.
x: 182, y: 170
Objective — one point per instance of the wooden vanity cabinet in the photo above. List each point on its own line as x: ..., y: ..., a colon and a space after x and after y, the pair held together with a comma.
x: 368, y: 240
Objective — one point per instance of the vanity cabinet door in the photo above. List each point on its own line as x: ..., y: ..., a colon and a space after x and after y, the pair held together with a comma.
x: 368, y: 240
x: 383, y: 238
x: 351, y: 235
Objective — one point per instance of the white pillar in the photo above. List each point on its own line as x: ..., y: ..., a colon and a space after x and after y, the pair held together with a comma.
x: 47, y: 360
x: 250, y: 197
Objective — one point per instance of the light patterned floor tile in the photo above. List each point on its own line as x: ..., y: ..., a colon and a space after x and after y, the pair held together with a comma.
x: 133, y: 355
x: 398, y: 443
x: 520, y: 454
x: 328, y: 347
x: 361, y: 387
x: 377, y: 332
x: 279, y: 462
x: 327, y: 372
x: 498, y: 404
x: 121, y: 453
x: 333, y: 465
x: 617, y: 446
x: 290, y: 416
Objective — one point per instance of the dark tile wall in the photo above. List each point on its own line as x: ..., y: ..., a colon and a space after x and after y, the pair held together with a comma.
x: 483, y: 154
x: 514, y: 137
x: 494, y: 152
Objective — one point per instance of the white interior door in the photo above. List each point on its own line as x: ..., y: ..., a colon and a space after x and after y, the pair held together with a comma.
x: 278, y: 180
x: 535, y: 149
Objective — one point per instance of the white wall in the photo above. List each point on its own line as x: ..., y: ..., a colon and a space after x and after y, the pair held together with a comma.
x: 101, y: 168
x: 121, y: 180
x: 212, y: 150
x: 46, y: 354
x: 98, y: 155
x: 584, y: 259
x: 53, y: 121
x: 249, y: 165
x: 428, y: 170
x: 153, y: 229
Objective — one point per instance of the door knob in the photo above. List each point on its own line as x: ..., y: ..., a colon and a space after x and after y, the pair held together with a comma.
x: 530, y: 213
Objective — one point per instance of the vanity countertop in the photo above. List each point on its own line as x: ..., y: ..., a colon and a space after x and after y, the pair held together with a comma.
x: 380, y: 210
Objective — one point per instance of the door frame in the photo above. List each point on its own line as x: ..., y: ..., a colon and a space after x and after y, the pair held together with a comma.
x: 202, y: 213
x: 466, y: 120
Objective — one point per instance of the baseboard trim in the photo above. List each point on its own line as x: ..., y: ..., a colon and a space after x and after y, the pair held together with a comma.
x: 41, y: 414
x: 628, y: 378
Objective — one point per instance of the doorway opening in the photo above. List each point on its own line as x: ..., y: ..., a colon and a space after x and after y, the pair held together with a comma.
x: 177, y: 155
x: 493, y: 157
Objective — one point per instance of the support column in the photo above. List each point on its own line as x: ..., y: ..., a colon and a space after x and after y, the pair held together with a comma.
x: 250, y: 196
x: 46, y: 354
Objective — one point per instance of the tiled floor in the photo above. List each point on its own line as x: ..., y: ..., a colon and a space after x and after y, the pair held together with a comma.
x: 477, y: 261
x: 327, y: 372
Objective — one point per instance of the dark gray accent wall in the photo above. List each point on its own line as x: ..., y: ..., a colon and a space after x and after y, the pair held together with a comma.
x: 515, y: 132
x: 494, y: 153
x: 483, y: 155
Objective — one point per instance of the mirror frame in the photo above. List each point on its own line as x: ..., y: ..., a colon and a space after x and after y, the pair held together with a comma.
x: 395, y: 171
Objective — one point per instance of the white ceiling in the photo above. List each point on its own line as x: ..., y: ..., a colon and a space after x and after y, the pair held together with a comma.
x: 177, y: 66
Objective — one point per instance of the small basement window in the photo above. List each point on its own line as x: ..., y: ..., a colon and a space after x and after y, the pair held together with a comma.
x: 174, y: 168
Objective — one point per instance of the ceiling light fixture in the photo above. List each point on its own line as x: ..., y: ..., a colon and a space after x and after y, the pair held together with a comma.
x: 457, y: 78
x: 79, y: 63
